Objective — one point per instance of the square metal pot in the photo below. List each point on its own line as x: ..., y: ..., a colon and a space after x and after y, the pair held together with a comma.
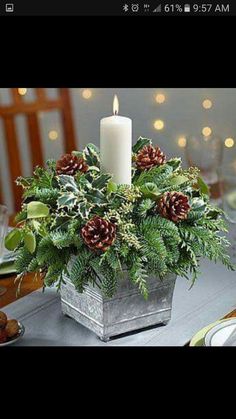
x: 126, y: 311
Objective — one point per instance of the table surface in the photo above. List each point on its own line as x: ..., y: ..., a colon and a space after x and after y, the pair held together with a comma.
x: 211, y: 298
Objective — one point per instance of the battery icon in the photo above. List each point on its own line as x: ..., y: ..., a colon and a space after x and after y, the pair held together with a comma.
x: 187, y: 8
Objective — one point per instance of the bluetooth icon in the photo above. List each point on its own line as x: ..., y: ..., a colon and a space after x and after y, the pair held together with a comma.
x: 125, y: 7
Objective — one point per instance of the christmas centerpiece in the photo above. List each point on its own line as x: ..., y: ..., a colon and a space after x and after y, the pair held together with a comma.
x: 115, y: 248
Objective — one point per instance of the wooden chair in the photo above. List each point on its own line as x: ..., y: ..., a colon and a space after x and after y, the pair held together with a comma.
x: 31, y: 110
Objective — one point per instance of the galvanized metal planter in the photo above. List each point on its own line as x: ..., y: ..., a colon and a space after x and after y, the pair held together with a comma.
x: 126, y: 311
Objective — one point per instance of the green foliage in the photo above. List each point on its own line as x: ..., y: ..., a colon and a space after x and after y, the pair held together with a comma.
x: 21, y: 216
x: 13, y: 239
x: 138, y: 274
x: 144, y: 206
x: 92, y: 155
x: 80, y: 270
x: 141, y: 142
x: 55, y: 209
x: 61, y: 239
x: 155, y: 175
x: 30, y: 241
x: 46, y: 195
x: 108, y: 279
x: 23, y: 260
x: 37, y: 209
x: 153, y: 246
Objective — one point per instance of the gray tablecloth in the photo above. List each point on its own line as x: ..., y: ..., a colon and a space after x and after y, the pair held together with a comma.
x: 213, y: 295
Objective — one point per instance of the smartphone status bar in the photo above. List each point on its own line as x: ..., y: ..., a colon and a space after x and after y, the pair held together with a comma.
x: 118, y: 8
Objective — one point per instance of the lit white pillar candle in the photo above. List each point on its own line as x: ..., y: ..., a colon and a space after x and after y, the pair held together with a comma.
x: 116, y: 146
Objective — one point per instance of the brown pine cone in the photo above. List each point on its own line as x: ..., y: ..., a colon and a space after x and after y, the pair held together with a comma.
x: 149, y: 157
x: 70, y: 164
x: 98, y: 234
x: 174, y: 206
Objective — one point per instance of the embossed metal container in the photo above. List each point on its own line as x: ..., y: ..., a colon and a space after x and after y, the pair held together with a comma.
x: 126, y: 311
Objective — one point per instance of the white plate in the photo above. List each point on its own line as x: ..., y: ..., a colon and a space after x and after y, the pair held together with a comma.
x: 222, y: 334
x: 14, y: 339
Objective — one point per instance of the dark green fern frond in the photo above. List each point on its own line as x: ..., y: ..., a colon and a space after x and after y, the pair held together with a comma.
x: 61, y: 239
x: 80, y: 269
x: 153, y: 246
x: 138, y: 274
x: 23, y: 260
x: 33, y: 265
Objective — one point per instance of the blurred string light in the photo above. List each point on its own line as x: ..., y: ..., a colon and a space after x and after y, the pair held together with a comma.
x: 182, y: 142
x: 22, y: 91
x: 160, y: 98
x: 229, y: 142
x: 53, y: 135
x: 206, y: 131
x: 207, y: 104
x: 87, y: 93
x: 158, y: 124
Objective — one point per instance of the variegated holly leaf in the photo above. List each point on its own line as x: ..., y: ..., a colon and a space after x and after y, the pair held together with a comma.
x: 84, y: 183
x: 96, y: 197
x: 93, y: 169
x: 141, y: 142
x: 101, y: 181
x: 198, y: 207
x: 78, y: 154
x: 175, y: 163
x: 67, y: 199
x: 92, y: 155
x: 24, y: 182
x: 84, y: 209
x: 68, y: 183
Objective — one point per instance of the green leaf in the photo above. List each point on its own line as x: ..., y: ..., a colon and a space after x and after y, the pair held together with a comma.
x: 30, y: 241
x: 197, y: 203
x: 21, y: 216
x: 13, y: 239
x: 93, y: 168
x: 68, y: 199
x: 68, y: 183
x: 111, y: 187
x: 25, y: 182
x: 175, y: 163
x: 96, y: 197
x: 141, y: 142
x: 150, y: 190
x: 37, y: 209
x: 204, y: 189
x: 156, y: 175
x: 84, y: 209
x: 101, y: 181
x: 84, y: 183
x: 78, y: 154
x: 39, y: 228
x: 178, y: 180
x: 91, y: 153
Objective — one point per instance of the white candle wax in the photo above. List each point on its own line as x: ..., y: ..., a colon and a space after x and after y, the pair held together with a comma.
x: 116, y: 148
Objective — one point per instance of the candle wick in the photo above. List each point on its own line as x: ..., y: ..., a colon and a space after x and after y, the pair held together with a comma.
x: 116, y: 113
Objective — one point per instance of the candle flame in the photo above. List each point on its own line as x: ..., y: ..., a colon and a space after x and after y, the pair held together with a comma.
x: 115, y: 105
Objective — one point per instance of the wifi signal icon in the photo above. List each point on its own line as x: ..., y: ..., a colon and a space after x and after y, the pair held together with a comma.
x: 157, y: 9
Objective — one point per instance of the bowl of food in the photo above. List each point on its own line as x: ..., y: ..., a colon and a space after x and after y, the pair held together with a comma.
x: 10, y: 330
